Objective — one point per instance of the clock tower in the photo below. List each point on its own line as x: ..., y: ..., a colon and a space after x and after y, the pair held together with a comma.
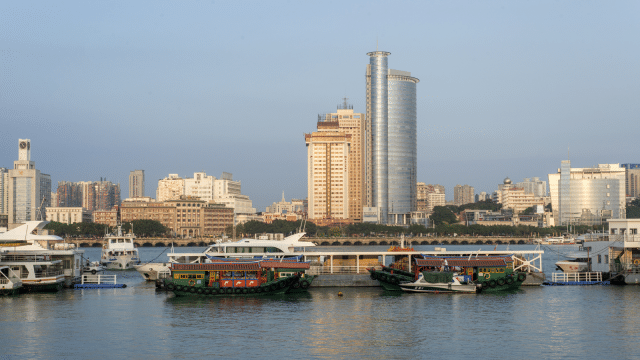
x: 24, y: 152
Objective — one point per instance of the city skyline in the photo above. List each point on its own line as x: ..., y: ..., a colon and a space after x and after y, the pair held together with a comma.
x: 506, y: 88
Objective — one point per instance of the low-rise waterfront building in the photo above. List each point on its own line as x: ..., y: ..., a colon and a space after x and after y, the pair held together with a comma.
x: 68, y: 215
x: 106, y: 217
x: 185, y: 217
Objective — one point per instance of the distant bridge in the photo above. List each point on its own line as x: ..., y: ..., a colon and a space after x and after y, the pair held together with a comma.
x: 328, y: 241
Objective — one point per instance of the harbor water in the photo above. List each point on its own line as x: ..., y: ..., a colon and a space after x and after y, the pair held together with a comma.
x: 587, y: 322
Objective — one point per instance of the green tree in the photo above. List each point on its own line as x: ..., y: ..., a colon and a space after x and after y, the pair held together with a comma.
x: 633, y: 209
x: 528, y: 211
x: 443, y: 215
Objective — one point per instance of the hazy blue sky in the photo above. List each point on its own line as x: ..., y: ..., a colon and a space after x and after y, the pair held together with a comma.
x: 102, y: 88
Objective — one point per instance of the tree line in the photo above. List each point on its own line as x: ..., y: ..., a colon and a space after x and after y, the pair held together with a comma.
x: 141, y: 228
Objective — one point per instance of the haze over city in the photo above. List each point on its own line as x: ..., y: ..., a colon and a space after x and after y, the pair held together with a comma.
x: 506, y: 89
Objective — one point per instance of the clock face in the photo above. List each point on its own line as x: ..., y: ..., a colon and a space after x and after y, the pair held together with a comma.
x: 23, y: 145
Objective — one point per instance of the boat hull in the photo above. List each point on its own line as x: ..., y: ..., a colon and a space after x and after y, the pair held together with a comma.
x: 277, y: 287
x: 440, y: 288
x: 572, y: 266
x: 389, y: 279
x: 154, y: 271
x: 122, y: 262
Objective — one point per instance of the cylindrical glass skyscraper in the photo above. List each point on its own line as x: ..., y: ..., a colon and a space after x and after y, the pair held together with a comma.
x: 379, y: 128
x: 402, y: 146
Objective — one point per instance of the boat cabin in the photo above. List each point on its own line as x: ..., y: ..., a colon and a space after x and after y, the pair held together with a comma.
x: 475, y: 269
x: 233, y: 274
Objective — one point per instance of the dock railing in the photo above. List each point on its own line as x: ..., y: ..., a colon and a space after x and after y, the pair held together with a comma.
x: 578, y: 276
x: 99, y: 279
x: 344, y: 270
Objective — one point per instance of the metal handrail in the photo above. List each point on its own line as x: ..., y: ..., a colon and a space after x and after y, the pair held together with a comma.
x: 578, y: 276
x: 98, y: 279
x: 338, y: 269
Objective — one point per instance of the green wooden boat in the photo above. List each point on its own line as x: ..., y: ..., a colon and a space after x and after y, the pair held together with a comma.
x: 241, y: 278
x: 489, y: 274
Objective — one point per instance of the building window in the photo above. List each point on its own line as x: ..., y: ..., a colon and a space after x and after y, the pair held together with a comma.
x: 599, y: 259
x: 606, y: 259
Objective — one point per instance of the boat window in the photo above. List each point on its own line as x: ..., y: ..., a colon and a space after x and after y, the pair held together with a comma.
x: 252, y: 274
x: 238, y: 274
x: 120, y: 241
x: 227, y: 274
x: 189, y: 276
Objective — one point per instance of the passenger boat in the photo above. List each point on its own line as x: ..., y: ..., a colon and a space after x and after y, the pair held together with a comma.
x: 38, y: 273
x: 119, y: 251
x: 257, y: 249
x: 487, y: 274
x: 10, y: 283
x: 237, y: 278
x: 35, y: 240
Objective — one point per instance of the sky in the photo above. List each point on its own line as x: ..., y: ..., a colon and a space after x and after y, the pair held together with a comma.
x: 507, y: 88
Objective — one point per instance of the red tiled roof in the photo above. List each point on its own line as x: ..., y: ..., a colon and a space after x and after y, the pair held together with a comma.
x: 217, y: 266
x: 483, y: 261
x: 430, y: 262
x: 286, y: 265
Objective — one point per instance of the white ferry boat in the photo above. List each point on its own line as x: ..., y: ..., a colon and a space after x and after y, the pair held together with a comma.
x: 34, y: 240
x: 10, y: 283
x: 37, y: 273
x: 119, y: 252
x: 260, y: 248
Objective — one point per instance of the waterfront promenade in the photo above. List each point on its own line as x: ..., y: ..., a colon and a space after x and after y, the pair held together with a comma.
x: 330, y: 241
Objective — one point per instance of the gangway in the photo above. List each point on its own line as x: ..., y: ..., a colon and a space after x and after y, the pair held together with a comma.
x: 98, y: 282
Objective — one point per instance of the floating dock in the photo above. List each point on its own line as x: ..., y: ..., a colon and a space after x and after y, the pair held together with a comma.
x: 577, y: 279
x: 99, y: 282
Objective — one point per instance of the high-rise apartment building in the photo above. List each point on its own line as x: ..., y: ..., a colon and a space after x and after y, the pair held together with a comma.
x: 392, y: 157
x: 205, y: 187
x: 136, y: 183
x: 463, y: 194
x: 29, y: 191
x: 170, y: 188
x: 91, y: 195
x: 632, y: 179
x: 69, y: 194
x: 4, y: 191
x: 353, y: 124
x: 587, y: 196
x: 534, y: 186
x: 328, y: 152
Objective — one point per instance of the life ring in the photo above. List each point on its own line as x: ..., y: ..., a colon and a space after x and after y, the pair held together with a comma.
x: 192, y: 282
x: 636, y: 262
x: 487, y: 275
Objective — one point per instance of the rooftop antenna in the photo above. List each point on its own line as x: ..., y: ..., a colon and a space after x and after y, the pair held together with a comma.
x: 344, y: 104
x: 376, y: 43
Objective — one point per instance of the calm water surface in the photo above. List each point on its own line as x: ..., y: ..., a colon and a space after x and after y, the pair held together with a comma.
x: 588, y: 322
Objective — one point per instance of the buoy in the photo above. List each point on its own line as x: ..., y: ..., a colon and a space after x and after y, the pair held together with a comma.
x: 339, y: 293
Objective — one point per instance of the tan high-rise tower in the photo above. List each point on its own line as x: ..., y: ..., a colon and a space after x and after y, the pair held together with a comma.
x: 353, y: 124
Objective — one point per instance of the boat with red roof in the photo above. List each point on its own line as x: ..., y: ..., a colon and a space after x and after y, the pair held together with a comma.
x: 238, y: 278
x: 452, y: 274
